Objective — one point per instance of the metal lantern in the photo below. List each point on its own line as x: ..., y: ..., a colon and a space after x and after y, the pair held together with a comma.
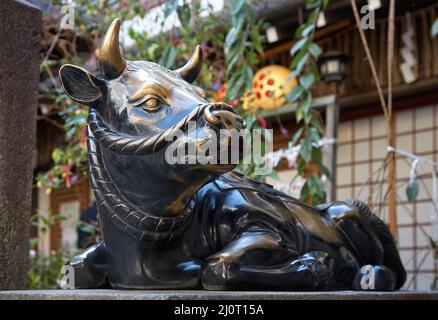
x: 332, y: 66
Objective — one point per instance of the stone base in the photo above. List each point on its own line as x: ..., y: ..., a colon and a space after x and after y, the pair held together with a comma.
x: 212, y: 295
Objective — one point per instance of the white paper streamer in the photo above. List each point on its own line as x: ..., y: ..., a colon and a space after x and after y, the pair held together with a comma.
x: 291, y: 153
x: 417, y: 161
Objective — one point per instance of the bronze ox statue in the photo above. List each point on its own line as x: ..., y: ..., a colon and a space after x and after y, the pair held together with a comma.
x: 203, y: 225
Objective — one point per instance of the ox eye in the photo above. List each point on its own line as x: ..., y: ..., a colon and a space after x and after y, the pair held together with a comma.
x: 152, y: 105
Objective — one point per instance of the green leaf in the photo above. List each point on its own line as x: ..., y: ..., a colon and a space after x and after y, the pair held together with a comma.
x: 238, y: 20
x: 316, y: 123
x: 297, y: 136
x: 170, y: 7
x: 57, y: 155
x: 299, y: 114
x: 434, y: 29
x: 231, y: 37
x: 304, y: 195
x: 313, y: 16
x: 232, y: 62
x: 249, y: 74
x: 295, y: 93
x: 315, y: 50
x: 299, y: 58
x: 307, y: 30
x: 236, y: 6
x: 412, y: 190
x: 250, y: 120
x: 184, y: 15
x: 326, y: 171
x: 299, y: 67
x: 257, y: 39
x: 306, y: 149
x: 233, y: 51
x: 168, y: 58
x: 301, y: 44
x: 312, y: 4
x: 307, y: 79
x: 235, y: 85
x: 308, y: 117
x: 299, y: 30
x: 314, y: 135
x: 306, y: 103
x: 315, y: 185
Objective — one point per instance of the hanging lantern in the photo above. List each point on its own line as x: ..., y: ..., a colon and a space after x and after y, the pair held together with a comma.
x: 333, y: 67
x: 270, y: 85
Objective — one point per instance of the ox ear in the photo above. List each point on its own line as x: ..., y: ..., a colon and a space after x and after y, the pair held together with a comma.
x: 80, y: 85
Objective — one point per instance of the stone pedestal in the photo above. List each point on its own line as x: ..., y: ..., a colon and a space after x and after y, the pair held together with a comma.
x: 212, y: 295
x: 20, y: 31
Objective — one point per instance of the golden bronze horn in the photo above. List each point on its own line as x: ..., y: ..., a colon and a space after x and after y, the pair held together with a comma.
x: 191, y: 69
x: 109, y: 55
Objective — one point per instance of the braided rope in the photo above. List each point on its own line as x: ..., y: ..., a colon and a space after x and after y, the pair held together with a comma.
x: 125, y: 216
x: 138, y: 146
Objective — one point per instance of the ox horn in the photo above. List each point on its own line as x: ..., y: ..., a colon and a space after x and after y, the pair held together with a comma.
x: 191, y: 69
x: 109, y: 55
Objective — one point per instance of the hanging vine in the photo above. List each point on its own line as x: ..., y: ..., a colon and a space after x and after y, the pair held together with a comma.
x: 305, y: 53
x: 243, y: 47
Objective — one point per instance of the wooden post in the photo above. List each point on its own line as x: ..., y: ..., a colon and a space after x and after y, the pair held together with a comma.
x: 331, y: 129
x: 392, y: 183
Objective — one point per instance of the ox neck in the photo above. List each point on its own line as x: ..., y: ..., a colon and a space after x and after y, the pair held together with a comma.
x: 147, y: 183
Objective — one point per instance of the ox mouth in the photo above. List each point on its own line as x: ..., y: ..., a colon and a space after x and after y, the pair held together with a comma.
x: 214, y: 116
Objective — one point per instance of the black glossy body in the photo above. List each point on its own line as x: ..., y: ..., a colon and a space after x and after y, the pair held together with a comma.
x: 170, y: 226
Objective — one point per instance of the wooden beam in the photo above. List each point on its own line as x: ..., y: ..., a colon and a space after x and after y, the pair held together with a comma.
x: 361, y: 99
x: 321, y: 33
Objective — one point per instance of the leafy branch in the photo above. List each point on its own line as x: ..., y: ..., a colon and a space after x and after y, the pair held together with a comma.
x: 243, y: 46
x: 305, y: 53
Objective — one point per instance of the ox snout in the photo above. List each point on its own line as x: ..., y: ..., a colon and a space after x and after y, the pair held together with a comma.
x: 224, y: 117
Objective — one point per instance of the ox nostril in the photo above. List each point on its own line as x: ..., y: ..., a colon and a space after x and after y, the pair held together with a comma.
x: 221, y: 115
x: 212, y: 119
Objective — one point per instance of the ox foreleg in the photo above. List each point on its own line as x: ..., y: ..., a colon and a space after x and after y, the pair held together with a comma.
x: 258, y: 260
x: 90, y: 268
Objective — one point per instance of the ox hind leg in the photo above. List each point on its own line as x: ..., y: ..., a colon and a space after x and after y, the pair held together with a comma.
x: 391, y: 274
x: 257, y: 259
x: 380, y: 266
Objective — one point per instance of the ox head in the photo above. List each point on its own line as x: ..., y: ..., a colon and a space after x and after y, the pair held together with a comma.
x: 136, y: 105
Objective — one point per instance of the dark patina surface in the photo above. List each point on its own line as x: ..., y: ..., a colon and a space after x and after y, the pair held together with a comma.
x: 203, y: 226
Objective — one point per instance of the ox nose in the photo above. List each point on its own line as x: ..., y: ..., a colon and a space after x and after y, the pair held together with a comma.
x: 223, y: 116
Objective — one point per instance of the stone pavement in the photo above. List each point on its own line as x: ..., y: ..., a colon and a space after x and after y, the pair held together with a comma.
x: 212, y: 295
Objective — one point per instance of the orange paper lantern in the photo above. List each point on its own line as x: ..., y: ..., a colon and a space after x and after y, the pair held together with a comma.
x: 270, y: 84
